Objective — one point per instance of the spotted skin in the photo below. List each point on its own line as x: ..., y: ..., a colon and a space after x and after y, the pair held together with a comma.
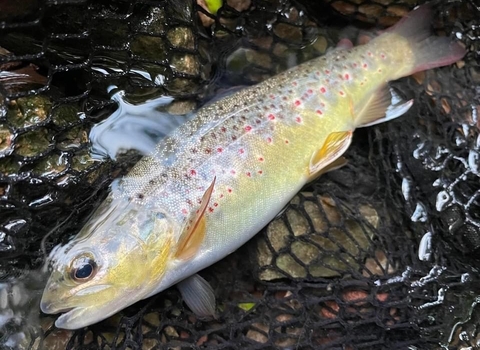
x: 256, y: 148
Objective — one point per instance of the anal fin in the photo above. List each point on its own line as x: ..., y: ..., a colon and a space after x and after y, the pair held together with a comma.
x: 336, y: 164
x: 327, y: 157
x: 379, y: 107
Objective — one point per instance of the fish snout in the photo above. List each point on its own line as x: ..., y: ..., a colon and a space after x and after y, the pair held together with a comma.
x: 49, y: 307
x: 50, y: 300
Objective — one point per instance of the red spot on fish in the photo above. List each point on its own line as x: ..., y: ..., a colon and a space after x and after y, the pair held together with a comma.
x: 261, y: 159
x: 210, y: 209
x: 294, y: 83
x: 383, y: 56
x: 269, y: 139
x: 369, y: 53
x: 346, y: 76
x: 341, y: 93
x: 287, y: 142
x: 233, y: 172
x: 249, y: 174
x: 310, y: 91
x: 271, y: 117
x: 365, y: 65
x: 327, y: 71
x: 223, y: 129
x: 260, y: 172
x: 322, y: 104
x: 319, y: 112
x: 323, y: 90
x: 215, y: 204
x: 184, y: 211
x: 298, y: 120
x: 248, y: 128
x: 219, y: 149
x: 208, y: 151
x: 241, y: 151
x: 272, y: 97
x: 221, y: 195
x: 229, y: 190
x: 193, y: 172
x: 354, y: 65
x: 298, y: 103
x: 317, y: 72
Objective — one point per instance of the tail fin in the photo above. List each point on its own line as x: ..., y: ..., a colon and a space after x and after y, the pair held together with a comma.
x: 429, y: 51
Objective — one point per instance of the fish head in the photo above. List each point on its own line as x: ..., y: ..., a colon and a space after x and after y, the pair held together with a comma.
x: 107, y: 267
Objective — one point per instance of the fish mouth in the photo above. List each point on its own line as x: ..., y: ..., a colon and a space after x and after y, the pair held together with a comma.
x: 70, y: 319
x: 51, y: 308
x: 78, y: 314
x: 79, y: 317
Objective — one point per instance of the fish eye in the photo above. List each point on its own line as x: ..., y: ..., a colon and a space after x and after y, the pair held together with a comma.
x: 83, y: 268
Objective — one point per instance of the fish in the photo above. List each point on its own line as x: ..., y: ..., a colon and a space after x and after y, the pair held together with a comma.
x: 221, y: 177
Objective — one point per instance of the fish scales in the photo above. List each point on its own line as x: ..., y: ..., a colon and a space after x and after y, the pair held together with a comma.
x: 242, y: 139
x: 222, y: 176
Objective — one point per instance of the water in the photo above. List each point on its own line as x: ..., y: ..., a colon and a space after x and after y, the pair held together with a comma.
x: 133, y: 126
x: 19, y: 316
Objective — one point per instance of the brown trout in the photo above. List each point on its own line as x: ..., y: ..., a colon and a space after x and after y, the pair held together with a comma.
x: 221, y: 177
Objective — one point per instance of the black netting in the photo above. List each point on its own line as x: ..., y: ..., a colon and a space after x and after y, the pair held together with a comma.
x: 339, y: 269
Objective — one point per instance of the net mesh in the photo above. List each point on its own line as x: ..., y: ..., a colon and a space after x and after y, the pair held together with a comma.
x: 340, y: 268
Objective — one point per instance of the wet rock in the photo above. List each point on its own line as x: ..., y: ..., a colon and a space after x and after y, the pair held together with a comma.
x: 278, y: 235
x: 73, y: 139
x: 287, y: 264
x: 258, y: 333
x: 6, y: 140
x: 288, y: 32
x: 33, y: 143
x: 153, y: 22
x: 185, y: 64
x: 206, y: 20
x: 83, y: 161
x: 67, y: 115
x: 297, y: 222
x: 334, y: 244
x: 181, y: 107
x: 51, y: 166
x: 181, y: 37
x: 239, y: 5
x: 28, y: 111
x: 148, y: 47
x: 9, y: 166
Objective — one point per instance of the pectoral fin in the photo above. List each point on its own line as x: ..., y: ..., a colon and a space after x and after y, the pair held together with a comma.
x: 381, y: 106
x: 194, y: 230
x: 327, y: 157
x: 198, y: 295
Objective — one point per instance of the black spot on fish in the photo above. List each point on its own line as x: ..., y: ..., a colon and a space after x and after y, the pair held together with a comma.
x: 140, y: 196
